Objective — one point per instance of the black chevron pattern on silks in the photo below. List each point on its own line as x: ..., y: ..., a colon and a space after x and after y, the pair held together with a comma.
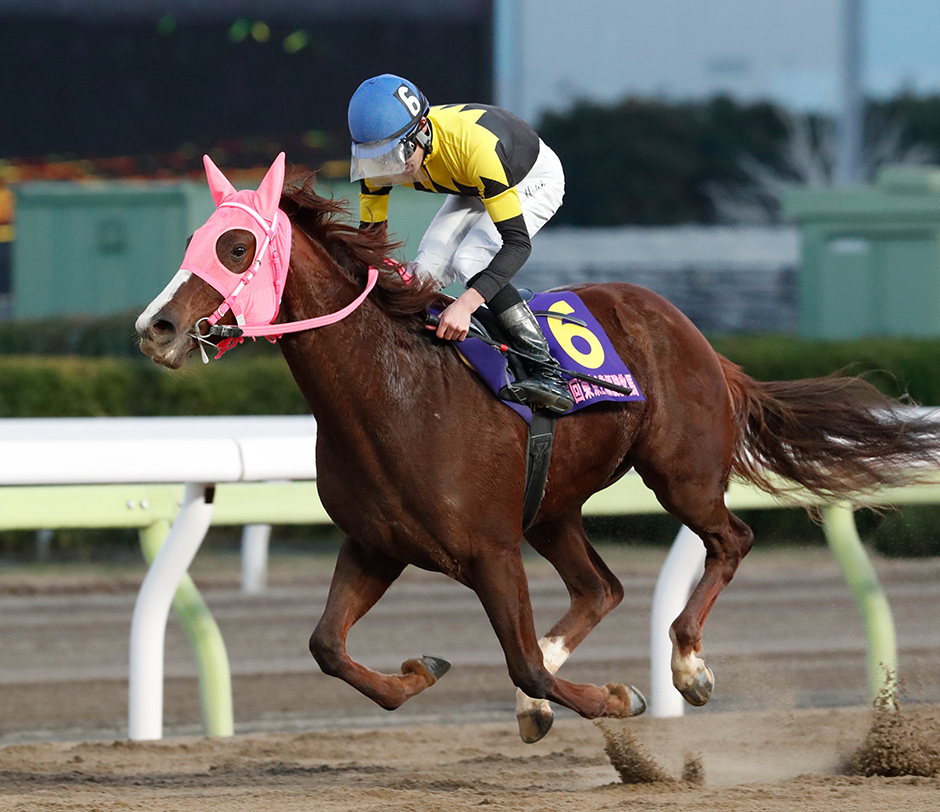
x: 461, y: 190
x: 365, y: 190
x: 492, y: 187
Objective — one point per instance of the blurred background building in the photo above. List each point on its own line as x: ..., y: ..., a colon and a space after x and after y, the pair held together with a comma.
x: 787, y: 52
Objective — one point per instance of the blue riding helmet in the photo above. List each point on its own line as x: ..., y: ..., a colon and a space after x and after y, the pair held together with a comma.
x: 384, y: 115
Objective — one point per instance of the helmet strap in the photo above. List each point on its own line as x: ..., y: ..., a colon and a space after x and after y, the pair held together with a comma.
x: 422, y: 136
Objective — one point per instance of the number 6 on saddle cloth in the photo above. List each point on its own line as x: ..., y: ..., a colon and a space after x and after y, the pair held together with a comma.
x: 577, y: 341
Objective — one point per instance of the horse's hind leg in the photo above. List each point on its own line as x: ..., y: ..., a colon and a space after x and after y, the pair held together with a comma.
x: 725, y: 545
x: 694, y: 493
x: 594, y: 591
x: 499, y: 580
x: 361, y: 577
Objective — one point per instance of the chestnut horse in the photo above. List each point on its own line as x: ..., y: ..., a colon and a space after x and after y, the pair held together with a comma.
x: 418, y: 463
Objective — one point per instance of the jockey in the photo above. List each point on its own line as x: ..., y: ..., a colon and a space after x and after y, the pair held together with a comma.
x: 502, y: 185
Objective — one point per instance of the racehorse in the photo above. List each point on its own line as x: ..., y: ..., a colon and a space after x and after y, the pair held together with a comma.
x: 418, y: 463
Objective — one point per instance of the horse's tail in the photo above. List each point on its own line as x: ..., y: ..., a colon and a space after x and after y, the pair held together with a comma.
x: 836, y: 436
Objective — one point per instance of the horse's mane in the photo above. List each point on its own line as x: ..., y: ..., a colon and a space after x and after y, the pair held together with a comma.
x: 328, y: 222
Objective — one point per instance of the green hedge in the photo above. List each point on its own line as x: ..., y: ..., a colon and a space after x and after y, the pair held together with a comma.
x: 910, y: 531
x: 37, y: 386
x: 897, y: 366
x: 71, y: 335
x: 253, y: 378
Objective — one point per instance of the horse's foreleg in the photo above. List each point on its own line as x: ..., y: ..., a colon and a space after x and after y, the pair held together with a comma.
x: 594, y: 591
x: 500, y: 582
x: 361, y: 577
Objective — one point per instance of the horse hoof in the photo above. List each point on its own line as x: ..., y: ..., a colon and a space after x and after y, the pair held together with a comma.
x: 624, y: 701
x: 637, y: 701
x: 699, y: 691
x: 431, y: 669
x: 535, y: 723
x: 438, y: 666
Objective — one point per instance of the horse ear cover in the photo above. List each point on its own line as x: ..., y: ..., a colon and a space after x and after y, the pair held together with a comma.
x: 218, y: 184
x: 260, y: 301
x: 269, y: 192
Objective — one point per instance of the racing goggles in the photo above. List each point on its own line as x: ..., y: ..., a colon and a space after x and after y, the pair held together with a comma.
x: 383, y: 162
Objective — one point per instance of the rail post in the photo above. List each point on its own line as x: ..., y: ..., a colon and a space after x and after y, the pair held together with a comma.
x: 843, y: 539
x: 167, y: 583
x: 682, y: 568
x: 255, y: 542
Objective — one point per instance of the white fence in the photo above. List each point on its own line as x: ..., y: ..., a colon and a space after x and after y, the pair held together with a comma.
x: 202, y: 452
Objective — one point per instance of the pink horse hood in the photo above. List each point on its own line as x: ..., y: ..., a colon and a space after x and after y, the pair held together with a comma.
x: 254, y: 296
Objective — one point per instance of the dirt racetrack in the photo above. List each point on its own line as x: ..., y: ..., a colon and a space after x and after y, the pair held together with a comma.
x: 785, y: 640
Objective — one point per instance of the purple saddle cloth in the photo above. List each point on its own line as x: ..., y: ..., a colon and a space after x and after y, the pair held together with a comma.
x: 586, y: 349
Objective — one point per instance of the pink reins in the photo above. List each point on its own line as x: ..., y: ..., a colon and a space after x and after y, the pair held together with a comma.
x: 255, y: 330
x: 233, y: 334
x: 317, y: 321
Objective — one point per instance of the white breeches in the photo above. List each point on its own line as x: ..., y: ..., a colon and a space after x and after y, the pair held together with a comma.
x: 462, y: 239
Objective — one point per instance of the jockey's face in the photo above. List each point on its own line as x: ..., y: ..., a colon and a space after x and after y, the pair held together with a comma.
x: 413, y: 163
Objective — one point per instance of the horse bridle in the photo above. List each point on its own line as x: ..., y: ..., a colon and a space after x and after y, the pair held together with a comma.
x: 232, y: 334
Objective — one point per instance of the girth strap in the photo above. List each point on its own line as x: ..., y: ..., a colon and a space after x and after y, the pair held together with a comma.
x: 538, y: 456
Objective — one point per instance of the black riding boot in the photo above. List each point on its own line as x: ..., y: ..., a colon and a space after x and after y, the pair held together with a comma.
x: 545, y: 386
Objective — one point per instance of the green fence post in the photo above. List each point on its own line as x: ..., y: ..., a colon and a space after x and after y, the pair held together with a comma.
x: 846, y: 546
x: 215, y: 681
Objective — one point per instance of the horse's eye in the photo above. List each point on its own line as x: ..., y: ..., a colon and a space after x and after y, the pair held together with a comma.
x: 234, y: 249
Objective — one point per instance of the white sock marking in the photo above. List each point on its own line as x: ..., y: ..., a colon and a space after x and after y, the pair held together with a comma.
x: 554, y: 655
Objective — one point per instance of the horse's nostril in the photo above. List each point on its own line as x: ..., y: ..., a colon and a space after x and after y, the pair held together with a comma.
x: 162, y: 327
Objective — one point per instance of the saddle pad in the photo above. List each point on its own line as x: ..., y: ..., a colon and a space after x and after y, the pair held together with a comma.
x: 585, y: 349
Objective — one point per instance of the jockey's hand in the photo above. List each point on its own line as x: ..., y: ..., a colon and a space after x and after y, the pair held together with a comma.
x: 454, y: 322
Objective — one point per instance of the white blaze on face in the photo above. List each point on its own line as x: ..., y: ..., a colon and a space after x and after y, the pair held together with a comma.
x: 144, y: 319
x: 554, y: 654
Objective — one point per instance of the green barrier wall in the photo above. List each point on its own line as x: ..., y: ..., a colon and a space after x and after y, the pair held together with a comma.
x: 871, y: 256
